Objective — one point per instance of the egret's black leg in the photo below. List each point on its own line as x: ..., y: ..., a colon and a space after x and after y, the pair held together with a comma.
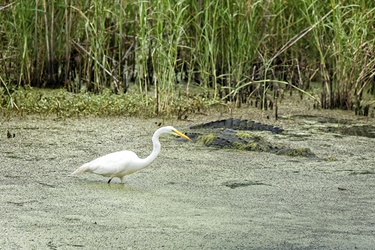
x: 109, y: 180
x: 122, y: 180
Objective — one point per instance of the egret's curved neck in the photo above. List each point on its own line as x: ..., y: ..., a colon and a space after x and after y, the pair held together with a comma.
x: 142, y: 163
x: 155, y: 151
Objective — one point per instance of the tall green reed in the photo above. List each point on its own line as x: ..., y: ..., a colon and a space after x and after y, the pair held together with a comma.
x: 344, y: 44
x: 352, y: 53
x: 232, y: 49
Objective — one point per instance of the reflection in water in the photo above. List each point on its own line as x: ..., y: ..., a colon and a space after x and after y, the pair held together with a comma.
x: 114, y: 186
x: 364, y: 130
x: 341, y: 126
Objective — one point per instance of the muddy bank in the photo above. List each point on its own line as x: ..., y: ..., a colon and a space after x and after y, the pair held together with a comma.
x: 192, y: 197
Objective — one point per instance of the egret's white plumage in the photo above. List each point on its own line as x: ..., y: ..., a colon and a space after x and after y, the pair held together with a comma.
x: 122, y: 163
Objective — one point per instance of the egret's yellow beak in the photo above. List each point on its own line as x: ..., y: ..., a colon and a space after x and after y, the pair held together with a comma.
x: 181, y: 135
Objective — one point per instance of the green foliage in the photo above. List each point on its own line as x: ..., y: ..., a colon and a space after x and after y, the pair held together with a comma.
x: 63, y: 104
x: 230, y: 48
x: 248, y: 135
x: 251, y: 146
x: 296, y: 152
x: 206, y: 139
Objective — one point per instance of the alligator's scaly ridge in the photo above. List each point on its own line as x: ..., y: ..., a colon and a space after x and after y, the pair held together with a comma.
x: 238, y: 124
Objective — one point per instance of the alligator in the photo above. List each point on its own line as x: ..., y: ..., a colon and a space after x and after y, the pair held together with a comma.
x: 234, y: 133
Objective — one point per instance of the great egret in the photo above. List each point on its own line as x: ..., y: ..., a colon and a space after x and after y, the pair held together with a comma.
x: 122, y: 163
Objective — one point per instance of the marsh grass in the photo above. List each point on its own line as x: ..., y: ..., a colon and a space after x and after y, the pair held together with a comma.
x: 61, y: 104
x: 235, y: 51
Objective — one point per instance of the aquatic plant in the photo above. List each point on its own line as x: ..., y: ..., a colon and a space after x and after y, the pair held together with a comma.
x: 229, y: 52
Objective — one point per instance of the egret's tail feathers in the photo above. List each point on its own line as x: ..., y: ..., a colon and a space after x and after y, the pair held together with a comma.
x: 80, y: 170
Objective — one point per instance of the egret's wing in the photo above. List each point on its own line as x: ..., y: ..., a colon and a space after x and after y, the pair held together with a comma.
x: 111, y: 164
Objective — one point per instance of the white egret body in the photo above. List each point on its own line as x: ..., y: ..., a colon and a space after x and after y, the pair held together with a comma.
x: 122, y: 163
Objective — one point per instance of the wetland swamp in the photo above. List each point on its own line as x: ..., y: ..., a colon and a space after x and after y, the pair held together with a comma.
x: 192, y: 196
x: 73, y: 72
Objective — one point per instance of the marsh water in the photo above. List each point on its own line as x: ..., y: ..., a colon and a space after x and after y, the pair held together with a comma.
x: 192, y: 196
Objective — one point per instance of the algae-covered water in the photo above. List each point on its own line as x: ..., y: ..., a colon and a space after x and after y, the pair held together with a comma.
x: 191, y: 197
